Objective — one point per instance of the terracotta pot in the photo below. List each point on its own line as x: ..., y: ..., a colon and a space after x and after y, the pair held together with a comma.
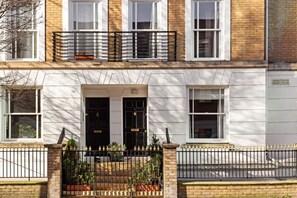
x: 144, y: 187
x: 72, y: 187
x: 84, y: 57
x: 78, y: 187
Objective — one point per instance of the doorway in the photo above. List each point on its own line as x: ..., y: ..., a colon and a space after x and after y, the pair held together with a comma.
x: 97, y: 122
x: 135, y: 122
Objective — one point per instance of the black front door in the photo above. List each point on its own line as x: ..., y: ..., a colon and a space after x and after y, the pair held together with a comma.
x: 134, y: 122
x: 97, y: 122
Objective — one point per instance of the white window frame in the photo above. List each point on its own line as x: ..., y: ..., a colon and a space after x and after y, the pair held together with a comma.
x: 7, y: 115
x: 225, y: 114
x: 68, y: 14
x: 224, y: 28
x: 35, y: 30
x: 127, y: 20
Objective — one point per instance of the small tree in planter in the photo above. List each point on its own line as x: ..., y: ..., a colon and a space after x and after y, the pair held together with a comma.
x: 85, y: 176
x: 70, y: 165
x: 148, y: 177
x: 77, y: 174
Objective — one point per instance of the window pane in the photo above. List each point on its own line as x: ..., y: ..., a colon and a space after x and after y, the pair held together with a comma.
x: 206, y: 44
x: 39, y: 127
x: 218, y: 15
x: 145, y: 15
x: 206, y: 106
x: 23, y: 126
x: 204, y: 126
x: 23, y: 101
x: 206, y: 15
x: 133, y: 15
x: 196, y: 15
x: 24, y: 45
x: 85, y: 17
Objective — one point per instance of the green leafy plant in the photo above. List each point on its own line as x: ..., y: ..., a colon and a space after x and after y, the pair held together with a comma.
x: 149, y: 173
x: 70, y: 163
x: 75, y: 171
x: 116, y: 152
x: 27, y: 131
x: 85, y: 176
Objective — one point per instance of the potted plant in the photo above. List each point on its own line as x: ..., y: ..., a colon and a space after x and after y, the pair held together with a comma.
x: 77, y: 174
x: 116, y: 152
x: 84, y: 56
x: 148, y: 176
x: 70, y: 165
x: 85, y: 176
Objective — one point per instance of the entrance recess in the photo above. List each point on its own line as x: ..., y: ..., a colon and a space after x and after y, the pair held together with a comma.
x: 97, y: 122
x: 134, y: 110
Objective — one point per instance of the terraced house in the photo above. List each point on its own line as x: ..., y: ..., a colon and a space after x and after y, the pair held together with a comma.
x: 123, y: 70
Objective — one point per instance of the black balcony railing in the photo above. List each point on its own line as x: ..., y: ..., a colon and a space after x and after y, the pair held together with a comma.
x: 114, y: 46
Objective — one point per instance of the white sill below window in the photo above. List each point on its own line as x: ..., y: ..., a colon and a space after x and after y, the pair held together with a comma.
x: 22, y: 60
x: 208, y: 140
x: 207, y: 59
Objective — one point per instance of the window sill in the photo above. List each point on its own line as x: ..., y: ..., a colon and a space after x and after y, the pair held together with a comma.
x: 207, y: 59
x: 21, y: 140
x: 207, y: 141
x: 23, y: 60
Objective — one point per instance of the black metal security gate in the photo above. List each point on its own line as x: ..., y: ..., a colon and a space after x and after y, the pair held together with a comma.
x: 113, y: 171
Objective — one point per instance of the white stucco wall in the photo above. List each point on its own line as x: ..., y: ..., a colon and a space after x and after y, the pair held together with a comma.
x: 282, y: 108
x: 166, y: 91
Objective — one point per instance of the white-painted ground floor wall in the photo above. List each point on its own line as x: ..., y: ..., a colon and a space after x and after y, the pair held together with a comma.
x: 64, y: 93
x: 282, y: 107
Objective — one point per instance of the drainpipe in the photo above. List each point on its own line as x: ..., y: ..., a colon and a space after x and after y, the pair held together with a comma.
x: 266, y: 29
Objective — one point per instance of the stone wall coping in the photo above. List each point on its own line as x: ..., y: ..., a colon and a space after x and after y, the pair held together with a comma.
x: 23, y: 183
x: 170, y: 145
x: 237, y: 183
x: 54, y: 146
x: 133, y: 65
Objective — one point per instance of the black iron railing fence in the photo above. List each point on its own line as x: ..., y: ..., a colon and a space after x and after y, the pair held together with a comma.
x: 25, y: 163
x: 237, y: 163
x: 113, y: 172
x: 114, y: 46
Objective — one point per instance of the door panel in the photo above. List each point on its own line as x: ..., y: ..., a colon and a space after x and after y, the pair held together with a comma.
x: 134, y: 122
x: 97, y: 122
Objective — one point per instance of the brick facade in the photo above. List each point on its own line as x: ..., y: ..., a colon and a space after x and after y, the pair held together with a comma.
x: 282, y: 30
x: 115, y: 15
x: 176, y: 22
x: 247, y: 29
x: 265, y: 189
x: 54, y: 168
x: 170, y: 170
x: 53, y: 21
x: 23, y: 189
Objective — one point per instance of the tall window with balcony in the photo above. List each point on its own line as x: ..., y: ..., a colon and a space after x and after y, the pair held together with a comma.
x: 85, y: 21
x: 23, y: 114
x: 207, y: 114
x: 22, y: 33
x: 145, y: 23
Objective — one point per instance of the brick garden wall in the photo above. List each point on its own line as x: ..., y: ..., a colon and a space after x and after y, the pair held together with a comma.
x: 238, y: 189
x: 23, y: 189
